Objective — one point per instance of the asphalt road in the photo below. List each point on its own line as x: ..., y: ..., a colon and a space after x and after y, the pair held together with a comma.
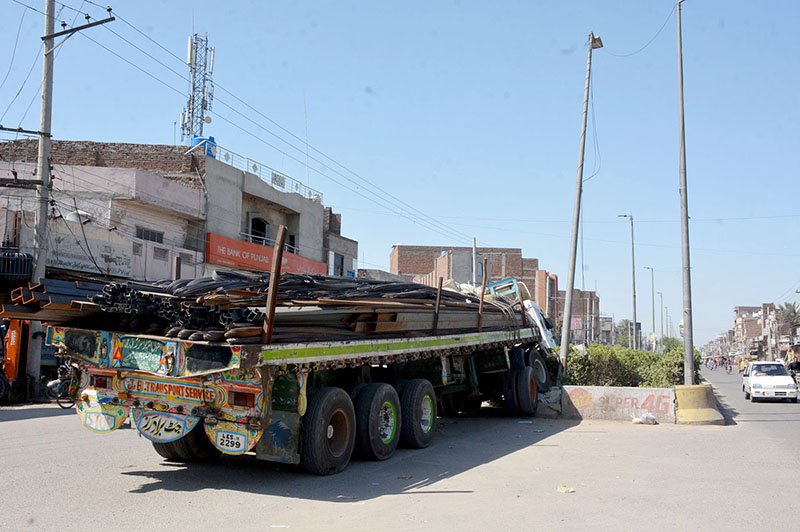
x: 482, y: 473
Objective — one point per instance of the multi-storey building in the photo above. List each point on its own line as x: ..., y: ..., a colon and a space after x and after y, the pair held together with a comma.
x: 133, y: 210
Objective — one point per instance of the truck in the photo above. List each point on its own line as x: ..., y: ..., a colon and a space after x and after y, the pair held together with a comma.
x: 367, y: 375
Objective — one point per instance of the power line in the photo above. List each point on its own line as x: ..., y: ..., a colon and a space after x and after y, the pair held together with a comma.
x: 430, y: 220
x: 14, y: 51
x: 651, y: 40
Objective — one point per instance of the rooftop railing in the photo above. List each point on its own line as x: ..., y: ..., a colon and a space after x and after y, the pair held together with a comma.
x: 270, y: 176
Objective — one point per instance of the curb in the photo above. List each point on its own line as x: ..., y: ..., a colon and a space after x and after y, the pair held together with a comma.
x: 696, y: 405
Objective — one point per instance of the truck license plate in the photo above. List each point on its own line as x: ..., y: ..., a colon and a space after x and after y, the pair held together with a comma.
x: 231, y: 440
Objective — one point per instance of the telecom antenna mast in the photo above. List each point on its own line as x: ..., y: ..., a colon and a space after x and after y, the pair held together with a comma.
x: 200, y: 59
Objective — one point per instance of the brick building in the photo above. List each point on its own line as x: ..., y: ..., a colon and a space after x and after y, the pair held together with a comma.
x: 585, y: 327
x: 425, y: 264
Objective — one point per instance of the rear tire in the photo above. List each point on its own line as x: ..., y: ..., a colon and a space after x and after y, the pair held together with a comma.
x: 536, y: 362
x: 329, y: 432
x: 377, y: 421
x: 527, y: 396
x: 195, y: 446
x: 418, y: 408
x: 63, y: 397
x: 166, y: 450
x: 510, y: 393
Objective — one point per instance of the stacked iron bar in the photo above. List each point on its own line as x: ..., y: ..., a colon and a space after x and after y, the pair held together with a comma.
x: 49, y: 300
x: 231, y: 307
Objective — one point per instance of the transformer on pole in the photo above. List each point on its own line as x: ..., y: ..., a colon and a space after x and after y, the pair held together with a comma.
x: 200, y: 59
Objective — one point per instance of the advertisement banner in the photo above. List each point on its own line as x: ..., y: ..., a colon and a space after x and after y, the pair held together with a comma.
x: 249, y: 256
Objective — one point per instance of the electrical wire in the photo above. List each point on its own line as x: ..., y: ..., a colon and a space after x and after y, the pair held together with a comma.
x: 429, y: 219
x: 651, y: 40
x: 14, y: 51
x: 58, y: 52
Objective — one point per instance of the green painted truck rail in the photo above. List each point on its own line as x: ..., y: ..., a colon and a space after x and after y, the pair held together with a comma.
x: 182, y: 358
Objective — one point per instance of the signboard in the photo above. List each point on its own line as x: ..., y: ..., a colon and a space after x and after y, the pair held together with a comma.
x: 249, y: 256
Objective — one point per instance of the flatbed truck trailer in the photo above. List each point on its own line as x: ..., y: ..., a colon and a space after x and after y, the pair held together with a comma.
x: 313, y: 404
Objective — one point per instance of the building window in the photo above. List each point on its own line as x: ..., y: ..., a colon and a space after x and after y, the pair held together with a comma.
x: 160, y: 253
x: 338, y: 264
x: 137, y: 249
x: 258, y: 231
x: 186, y: 259
x: 291, y: 244
x: 149, y: 234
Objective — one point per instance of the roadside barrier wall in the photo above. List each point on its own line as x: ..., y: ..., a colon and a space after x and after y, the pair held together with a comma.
x: 617, y: 403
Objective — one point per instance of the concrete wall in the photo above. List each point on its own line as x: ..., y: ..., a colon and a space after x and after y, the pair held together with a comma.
x: 617, y: 403
x: 158, y: 158
x: 345, y: 247
x: 227, y: 210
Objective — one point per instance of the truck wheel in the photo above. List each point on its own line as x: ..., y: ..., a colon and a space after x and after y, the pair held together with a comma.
x: 195, y: 446
x: 356, y: 391
x: 166, y: 450
x: 377, y: 421
x: 329, y: 432
x: 510, y: 392
x: 536, y: 362
x: 526, y: 391
x: 418, y: 409
x: 5, y: 389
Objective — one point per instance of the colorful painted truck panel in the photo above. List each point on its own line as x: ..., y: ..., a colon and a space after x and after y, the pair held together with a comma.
x: 192, y: 399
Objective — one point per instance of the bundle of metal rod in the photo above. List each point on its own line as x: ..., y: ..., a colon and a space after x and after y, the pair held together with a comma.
x: 231, y: 307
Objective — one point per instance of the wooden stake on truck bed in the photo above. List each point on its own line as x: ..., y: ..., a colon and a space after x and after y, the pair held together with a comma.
x: 483, y: 291
x: 272, y: 291
x: 436, y: 309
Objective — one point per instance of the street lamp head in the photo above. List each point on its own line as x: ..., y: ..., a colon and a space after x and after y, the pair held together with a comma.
x: 597, y: 42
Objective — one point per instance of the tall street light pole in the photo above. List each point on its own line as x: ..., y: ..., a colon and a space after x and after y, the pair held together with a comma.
x: 688, y: 335
x: 633, y: 281
x: 661, y: 299
x: 594, y: 42
x: 653, y: 301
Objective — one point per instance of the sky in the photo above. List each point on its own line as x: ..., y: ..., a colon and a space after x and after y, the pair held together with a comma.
x: 430, y: 123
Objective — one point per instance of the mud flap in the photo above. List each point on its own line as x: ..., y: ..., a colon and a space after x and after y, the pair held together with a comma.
x: 163, y: 427
x: 281, y: 440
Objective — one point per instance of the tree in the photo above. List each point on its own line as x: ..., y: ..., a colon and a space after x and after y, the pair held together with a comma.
x: 623, y: 332
x: 788, y: 319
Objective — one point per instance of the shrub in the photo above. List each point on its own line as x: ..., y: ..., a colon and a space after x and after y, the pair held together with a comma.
x: 616, y: 365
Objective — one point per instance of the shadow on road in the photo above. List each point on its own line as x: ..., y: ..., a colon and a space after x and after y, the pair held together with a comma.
x: 460, y: 444
x: 727, y: 410
x: 32, y: 411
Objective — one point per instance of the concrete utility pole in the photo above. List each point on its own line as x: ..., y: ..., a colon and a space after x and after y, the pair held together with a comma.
x: 43, y: 171
x: 661, y: 299
x: 43, y: 190
x: 474, y: 260
x: 653, y: 301
x: 688, y: 335
x: 594, y: 42
x: 634, y: 334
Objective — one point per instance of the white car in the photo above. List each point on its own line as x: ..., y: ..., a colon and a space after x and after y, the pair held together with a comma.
x: 768, y: 380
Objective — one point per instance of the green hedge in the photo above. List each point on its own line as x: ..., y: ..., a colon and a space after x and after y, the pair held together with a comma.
x: 615, y: 365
